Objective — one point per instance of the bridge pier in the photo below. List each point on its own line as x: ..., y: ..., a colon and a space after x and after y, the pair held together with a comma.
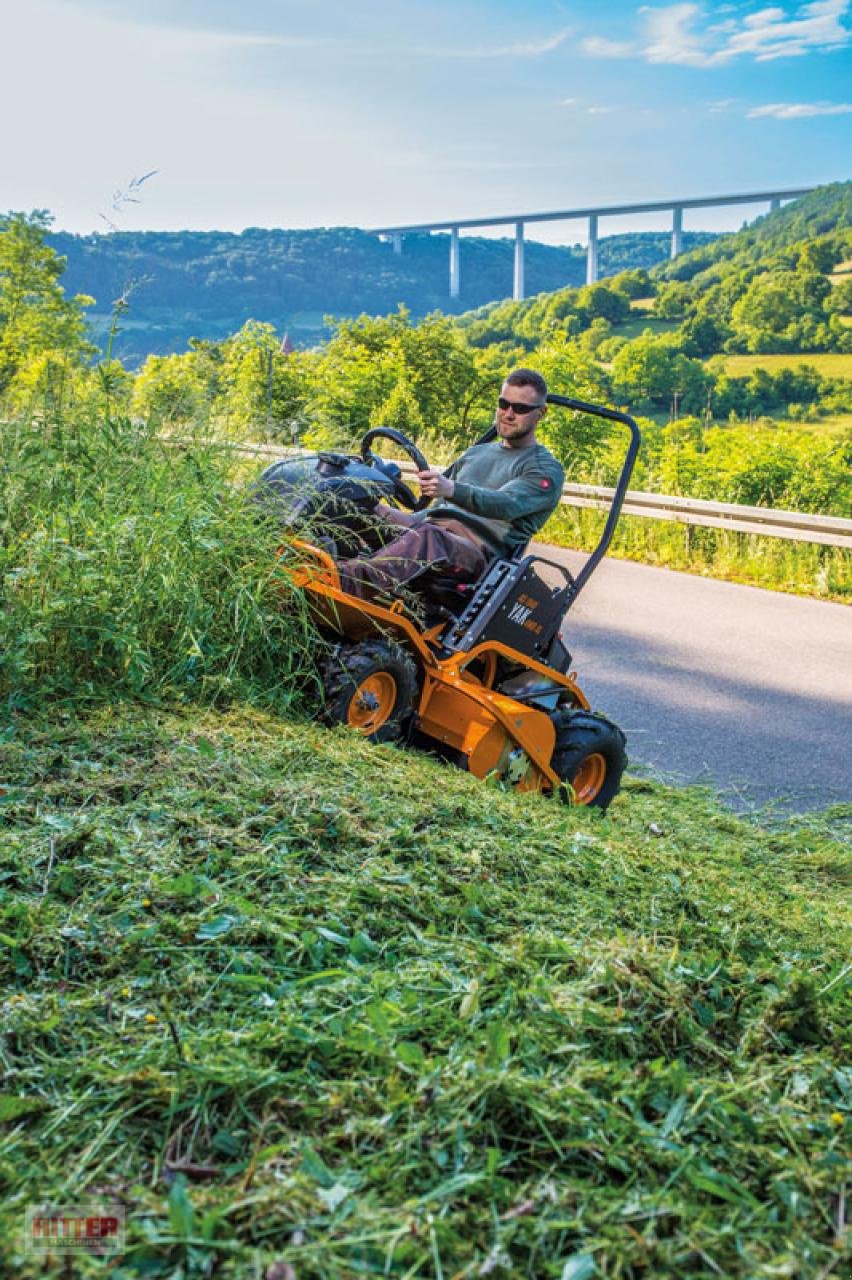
x: 455, y: 263
x: 677, y: 230
x: 518, y: 283
x: 592, y: 252
x: 396, y: 241
x: 774, y: 203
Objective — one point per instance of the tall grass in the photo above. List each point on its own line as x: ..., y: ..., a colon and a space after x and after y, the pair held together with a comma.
x: 802, y: 568
x: 129, y: 567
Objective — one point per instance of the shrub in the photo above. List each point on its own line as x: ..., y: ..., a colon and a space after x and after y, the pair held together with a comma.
x: 128, y: 567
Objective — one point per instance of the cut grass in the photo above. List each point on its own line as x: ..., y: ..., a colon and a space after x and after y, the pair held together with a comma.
x: 293, y: 999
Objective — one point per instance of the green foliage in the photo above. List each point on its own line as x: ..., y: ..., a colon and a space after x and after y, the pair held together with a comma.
x: 783, y: 310
x: 259, y: 387
x: 635, y: 284
x: 400, y: 411
x: 576, y: 439
x: 127, y: 567
x: 651, y: 372
x: 35, y: 315
x: 760, y: 466
x: 372, y: 367
x: 171, y: 389
x: 312, y: 1006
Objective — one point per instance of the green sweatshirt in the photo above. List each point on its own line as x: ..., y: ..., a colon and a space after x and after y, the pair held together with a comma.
x: 504, y: 495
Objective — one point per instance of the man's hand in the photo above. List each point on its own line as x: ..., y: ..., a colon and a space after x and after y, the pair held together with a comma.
x: 434, y: 484
x: 393, y: 515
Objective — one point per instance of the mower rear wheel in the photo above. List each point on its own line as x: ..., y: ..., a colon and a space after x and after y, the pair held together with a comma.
x: 370, y: 686
x: 589, y: 755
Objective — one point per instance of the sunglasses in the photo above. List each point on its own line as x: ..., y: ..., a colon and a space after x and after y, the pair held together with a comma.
x: 516, y: 406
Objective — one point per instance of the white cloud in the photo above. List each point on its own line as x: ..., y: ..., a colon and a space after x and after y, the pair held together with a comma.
x: 800, y: 110
x: 769, y: 34
x: 673, y: 34
x: 598, y: 47
x: 520, y: 49
x: 669, y: 37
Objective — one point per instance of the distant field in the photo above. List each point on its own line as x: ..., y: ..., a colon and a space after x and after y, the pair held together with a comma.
x: 635, y: 328
x: 832, y: 364
x: 836, y: 424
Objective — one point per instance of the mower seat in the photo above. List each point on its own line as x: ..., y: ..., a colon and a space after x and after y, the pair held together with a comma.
x: 444, y: 591
x: 448, y: 593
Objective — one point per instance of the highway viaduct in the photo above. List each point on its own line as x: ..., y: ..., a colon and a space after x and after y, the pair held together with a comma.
x: 519, y: 220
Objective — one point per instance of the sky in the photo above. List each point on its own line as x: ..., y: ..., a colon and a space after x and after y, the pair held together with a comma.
x: 303, y: 113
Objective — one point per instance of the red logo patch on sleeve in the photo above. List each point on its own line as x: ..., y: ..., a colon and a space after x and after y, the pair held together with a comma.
x: 545, y: 484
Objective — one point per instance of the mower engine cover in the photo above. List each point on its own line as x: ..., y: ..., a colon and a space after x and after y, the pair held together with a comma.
x: 331, y: 494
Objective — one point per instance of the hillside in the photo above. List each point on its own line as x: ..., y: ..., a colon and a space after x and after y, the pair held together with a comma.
x: 823, y: 212
x: 300, y: 1003
x: 207, y: 284
x: 789, y: 253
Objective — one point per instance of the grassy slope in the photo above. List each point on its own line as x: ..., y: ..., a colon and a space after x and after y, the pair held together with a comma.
x: 392, y: 1021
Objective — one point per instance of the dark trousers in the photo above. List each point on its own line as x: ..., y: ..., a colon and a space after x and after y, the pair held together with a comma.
x: 429, y: 545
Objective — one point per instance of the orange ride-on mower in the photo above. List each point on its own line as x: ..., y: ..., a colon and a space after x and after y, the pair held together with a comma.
x: 480, y: 674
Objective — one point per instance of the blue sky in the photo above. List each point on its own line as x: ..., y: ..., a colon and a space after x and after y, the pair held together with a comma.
x: 297, y: 113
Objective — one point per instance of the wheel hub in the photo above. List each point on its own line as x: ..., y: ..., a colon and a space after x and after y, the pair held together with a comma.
x: 372, y: 702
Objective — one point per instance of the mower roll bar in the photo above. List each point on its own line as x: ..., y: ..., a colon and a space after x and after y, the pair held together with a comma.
x: 613, y: 415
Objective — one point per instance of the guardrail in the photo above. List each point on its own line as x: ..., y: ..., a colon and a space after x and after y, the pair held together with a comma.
x: 795, y: 526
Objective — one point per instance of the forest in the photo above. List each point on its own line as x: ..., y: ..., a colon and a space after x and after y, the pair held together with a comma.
x: 206, y: 284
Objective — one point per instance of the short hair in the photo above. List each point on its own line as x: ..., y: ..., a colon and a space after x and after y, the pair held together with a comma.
x: 528, y: 378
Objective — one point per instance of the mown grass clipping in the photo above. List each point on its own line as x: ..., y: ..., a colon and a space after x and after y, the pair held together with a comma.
x: 314, y: 1009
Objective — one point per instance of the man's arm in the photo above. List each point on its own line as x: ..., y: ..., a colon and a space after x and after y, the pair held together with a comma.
x: 537, y: 490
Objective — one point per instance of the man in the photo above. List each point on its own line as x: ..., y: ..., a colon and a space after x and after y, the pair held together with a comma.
x: 489, y: 501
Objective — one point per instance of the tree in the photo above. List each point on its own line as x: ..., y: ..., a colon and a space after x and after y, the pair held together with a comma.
x: 578, y: 440
x: 635, y: 284
x: 35, y: 315
x: 171, y: 389
x: 672, y: 301
x: 819, y: 255
x: 783, y: 311
x: 599, y: 301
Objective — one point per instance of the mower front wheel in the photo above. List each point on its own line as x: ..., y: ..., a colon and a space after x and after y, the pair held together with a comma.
x: 369, y: 685
x: 590, y: 756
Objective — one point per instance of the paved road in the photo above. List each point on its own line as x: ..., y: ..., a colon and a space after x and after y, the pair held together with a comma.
x: 748, y: 691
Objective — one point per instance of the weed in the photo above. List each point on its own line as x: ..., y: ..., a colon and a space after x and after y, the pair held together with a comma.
x: 131, y: 568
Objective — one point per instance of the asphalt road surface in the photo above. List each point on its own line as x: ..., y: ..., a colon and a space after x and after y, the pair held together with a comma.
x: 744, y: 690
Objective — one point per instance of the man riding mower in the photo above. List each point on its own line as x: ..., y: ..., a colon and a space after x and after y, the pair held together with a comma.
x: 448, y: 636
